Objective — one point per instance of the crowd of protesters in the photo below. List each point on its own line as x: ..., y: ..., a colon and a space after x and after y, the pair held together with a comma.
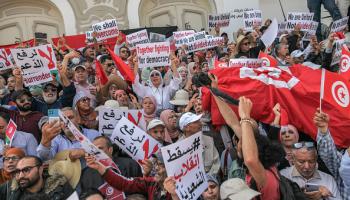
x: 244, y: 159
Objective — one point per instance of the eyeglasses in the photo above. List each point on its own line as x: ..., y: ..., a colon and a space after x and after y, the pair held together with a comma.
x: 14, y: 158
x: 86, y: 99
x: 154, y: 74
x: 308, y: 145
x: 110, y: 64
x: 50, y: 89
x: 29, y: 99
x: 25, y: 170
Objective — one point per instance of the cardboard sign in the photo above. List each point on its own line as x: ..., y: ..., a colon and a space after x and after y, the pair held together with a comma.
x: 337, y: 51
x: 110, y: 192
x: 153, y: 54
x: 219, y: 20
x: 251, y: 19
x: 308, y: 34
x: 140, y: 37
x: 214, y: 41
x: 245, y: 62
x: 180, y: 37
x: 134, y: 141
x: 304, y: 19
x: 103, y: 30
x: 196, y: 42
x: 156, y: 37
x: 5, y: 60
x: 339, y: 25
x: 184, y: 161
x: 10, y: 132
x: 109, y: 117
x: 36, y: 63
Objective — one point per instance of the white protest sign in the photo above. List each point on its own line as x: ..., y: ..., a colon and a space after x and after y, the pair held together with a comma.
x: 214, y: 41
x: 251, y: 19
x: 270, y: 34
x: 339, y: 25
x: 304, y: 19
x: 308, y: 34
x: 5, y: 60
x: 337, y: 51
x: 197, y: 42
x: 245, y: 62
x: 153, y: 54
x: 109, y: 117
x: 219, y: 20
x: 36, y: 63
x: 134, y: 141
x: 180, y: 37
x: 282, y: 28
x: 184, y: 161
x: 156, y: 37
x: 103, y: 30
x: 139, y: 37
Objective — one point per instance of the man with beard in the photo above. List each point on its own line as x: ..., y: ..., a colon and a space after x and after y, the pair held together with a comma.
x: 29, y: 180
x: 25, y: 119
x: 11, y: 157
x: 11, y: 81
x: 82, y: 85
x: 89, y: 54
x: 57, y: 137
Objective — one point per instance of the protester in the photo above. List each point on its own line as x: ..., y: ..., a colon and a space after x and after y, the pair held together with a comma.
x: 169, y: 118
x: 213, y: 190
x: 149, y: 106
x: 84, y: 112
x: 236, y: 188
x: 156, y: 129
x: 11, y: 157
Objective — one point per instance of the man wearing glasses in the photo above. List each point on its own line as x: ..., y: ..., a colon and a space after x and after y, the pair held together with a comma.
x: 316, y: 184
x: 10, y: 159
x: 29, y: 180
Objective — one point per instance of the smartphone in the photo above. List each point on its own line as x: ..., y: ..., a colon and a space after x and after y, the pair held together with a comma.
x: 311, y: 187
x: 53, y: 115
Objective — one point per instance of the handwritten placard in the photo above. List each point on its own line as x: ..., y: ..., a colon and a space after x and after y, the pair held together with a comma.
x: 109, y: 117
x: 184, y: 161
x: 180, y: 37
x: 153, y: 54
x: 214, y: 41
x: 197, y: 42
x: 282, y: 28
x: 312, y: 32
x: 134, y: 141
x: 340, y: 24
x: 251, y: 19
x: 103, y: 30
x: 245, y: 62
x: 303, y: 19
x: 36, y: 63
x: 219, y: 20
x: 140, y: 37
x: 5, y: 60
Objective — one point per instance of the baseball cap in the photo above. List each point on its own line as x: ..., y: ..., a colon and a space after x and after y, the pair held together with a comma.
x: 79, y: 66
x: 296, y: 54
x: 236, y: 188
x: 153, y: 123
x: 188, y: 118
x: 18, y: 94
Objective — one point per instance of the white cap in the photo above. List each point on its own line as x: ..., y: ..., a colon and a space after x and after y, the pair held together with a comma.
x: 282, y: 36
x: 153, y: 123
x: 236, y: 188
x: 187, y: 118
x: 296, y: 54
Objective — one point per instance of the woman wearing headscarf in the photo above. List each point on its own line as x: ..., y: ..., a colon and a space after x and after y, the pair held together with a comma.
x: 85, y: 115
x: 169, y: 118
x: 149, y: 107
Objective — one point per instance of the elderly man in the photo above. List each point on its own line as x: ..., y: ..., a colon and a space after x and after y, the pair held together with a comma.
x: 304, y: 173
x: 10, y: 157
x: 190, y: 124
x: 29, y: 180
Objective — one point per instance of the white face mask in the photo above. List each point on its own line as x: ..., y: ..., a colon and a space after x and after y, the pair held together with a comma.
x: 76, y: 61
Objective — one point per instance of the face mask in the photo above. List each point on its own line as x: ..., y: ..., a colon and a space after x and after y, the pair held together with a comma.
x: 75, y: 61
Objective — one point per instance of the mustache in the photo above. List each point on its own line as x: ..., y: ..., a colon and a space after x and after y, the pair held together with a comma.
x: 21, y: 179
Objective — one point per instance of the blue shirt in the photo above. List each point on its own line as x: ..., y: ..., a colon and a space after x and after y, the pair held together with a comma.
x: 61, y: 142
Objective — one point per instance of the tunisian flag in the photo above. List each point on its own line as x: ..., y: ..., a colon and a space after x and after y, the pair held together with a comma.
x: 345, y: 63
x: 267, y: 60
x: 123, y: 68
x: 297, y: 90
x: 100, y: 73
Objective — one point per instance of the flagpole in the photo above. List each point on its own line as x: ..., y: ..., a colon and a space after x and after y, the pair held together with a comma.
x: 322, y: 87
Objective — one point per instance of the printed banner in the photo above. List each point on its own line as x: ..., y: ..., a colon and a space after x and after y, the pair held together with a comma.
x: 304, y: 19
x: 251, y: 19
x: 220, y: 20
x: 10, y: 132
x: 339, y: 25
x: 103, y: 30
x: 36, y: 63
x: 184, y: 161
x: 245, y: 62
x: 156, y: 37
x: 180, y: 37
x: 5, y: 60
x: 196, y: 42
x: 153, y: 54
x: 140, y: 37
x: 109, y: 117
x: 134, y: 141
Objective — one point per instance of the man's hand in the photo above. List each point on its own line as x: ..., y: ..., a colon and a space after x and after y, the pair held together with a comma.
x: 17, y: 73
x: 244, y: 107
x: 214, y: 80
x: 277, y: 111
x: 324, y: 192
x: 316, y: 195
x: 169, y: 185
x: 76, y: 154
x: 50, y: 131
x: 72, y: 54
x: 147, y: 166
x: 321, y: 120
x: 92, y: 163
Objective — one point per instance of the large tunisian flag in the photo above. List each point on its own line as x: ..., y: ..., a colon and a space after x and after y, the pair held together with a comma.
x: 297, y: 89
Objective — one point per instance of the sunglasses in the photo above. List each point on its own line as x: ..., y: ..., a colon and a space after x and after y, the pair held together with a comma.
x: 14, y: 158
x: 110, y: 64
x: 308, y: 145
x: 25, y: 170
x: 154, y: 74
x: 29, y: 99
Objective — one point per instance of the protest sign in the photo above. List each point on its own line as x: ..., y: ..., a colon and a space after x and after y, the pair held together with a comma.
x: 140, y: 37
x: 184, y: 161
x: 308, y: 34
x: 214, y: 41
x: 282, y: 28
x: 219, y: 20
x: 270, y: 34
x: 180, y: 37
x: 339, y: 25
x: 196, y: 42
x: 337, y: 51
x: 109, y: 117
x: 36, y: 63
x: 10, y: 132
x: 251, y: 19
x: 156, y: 37
x: 134, y: 141
x: 245, y: 62
x: 5, y: 60
x: 303, y: 19
x: 153, y: 54
x: 103, y: 30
